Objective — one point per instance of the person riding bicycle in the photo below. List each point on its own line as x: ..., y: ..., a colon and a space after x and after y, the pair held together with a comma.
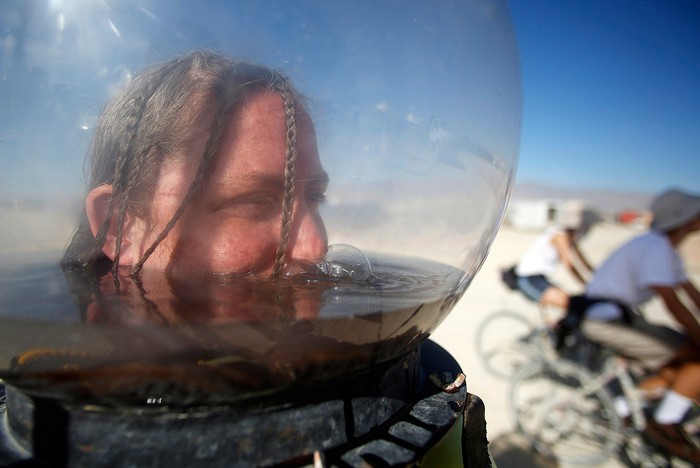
x: 557, y: 244
x: 648, y: 266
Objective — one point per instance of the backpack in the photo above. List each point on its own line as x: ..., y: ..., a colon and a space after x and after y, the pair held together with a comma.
x: 509, y: 277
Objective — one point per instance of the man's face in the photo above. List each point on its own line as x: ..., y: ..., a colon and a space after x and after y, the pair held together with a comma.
x: 232, y: 226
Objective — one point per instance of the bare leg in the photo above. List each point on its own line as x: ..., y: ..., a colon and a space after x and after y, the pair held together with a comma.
x: 687, y: 381
x: 682, y: 375
x: 555, y: 297
x: 655, y: 385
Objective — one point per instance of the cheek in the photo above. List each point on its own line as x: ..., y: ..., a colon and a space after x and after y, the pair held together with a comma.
x: 227, y: 248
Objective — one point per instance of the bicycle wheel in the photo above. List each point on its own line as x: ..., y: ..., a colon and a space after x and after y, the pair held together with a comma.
x: 638, y: 453
x: 504, y: 343
x: 550, y: 407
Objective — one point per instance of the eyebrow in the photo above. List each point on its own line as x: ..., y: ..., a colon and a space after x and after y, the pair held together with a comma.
x: 320, y: 178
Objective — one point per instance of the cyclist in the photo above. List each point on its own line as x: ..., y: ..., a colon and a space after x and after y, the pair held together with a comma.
x: 557, y: 244
x: 649, y: 266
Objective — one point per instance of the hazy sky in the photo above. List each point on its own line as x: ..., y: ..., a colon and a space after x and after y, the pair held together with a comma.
x: 611, y: 92
x: 611, y: 88
x: 397, y: 88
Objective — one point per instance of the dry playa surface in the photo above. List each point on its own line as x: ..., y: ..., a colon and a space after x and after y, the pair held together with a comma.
x: 22, y: 232
x: 486, y: 295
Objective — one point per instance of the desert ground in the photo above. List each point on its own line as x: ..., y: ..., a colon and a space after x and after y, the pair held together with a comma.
x: 487, y: 295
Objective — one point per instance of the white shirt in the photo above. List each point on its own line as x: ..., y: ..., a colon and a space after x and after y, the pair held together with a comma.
x: 630, y: 272
x: 542, y: 257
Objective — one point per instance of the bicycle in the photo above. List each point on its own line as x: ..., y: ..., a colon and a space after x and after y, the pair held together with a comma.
x: 508, y: 340
x: 567, y: 411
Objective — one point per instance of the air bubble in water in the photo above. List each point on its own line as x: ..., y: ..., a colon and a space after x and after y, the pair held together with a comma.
x: 346, y: 261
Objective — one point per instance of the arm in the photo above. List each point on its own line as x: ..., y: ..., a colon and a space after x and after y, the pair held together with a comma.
x: 680, y: 312
x: 583, y: 259
x: 562, y: 242
x: 692, y: 293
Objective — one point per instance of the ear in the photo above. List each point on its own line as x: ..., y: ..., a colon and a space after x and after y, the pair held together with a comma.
x: 96, y: 208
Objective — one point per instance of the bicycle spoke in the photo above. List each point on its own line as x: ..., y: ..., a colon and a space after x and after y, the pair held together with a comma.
x: 505, y: 342
x: 549, y: 407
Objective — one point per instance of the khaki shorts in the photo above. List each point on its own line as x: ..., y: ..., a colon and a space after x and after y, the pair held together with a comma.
x: 650, y: 345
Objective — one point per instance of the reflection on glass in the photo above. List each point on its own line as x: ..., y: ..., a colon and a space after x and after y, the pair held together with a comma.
x: 214, y: 187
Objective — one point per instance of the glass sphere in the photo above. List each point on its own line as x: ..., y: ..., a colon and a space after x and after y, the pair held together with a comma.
x: 416, y: 109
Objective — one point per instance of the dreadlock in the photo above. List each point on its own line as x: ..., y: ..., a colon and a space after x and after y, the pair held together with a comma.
x: 289, y: 175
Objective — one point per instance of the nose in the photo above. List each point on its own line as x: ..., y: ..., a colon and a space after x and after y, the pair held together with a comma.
x: 308, y: 239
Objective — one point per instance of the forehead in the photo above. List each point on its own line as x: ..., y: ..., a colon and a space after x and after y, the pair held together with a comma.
x: 256, y: 138
x: 260, y: 123
x: 253, y: 147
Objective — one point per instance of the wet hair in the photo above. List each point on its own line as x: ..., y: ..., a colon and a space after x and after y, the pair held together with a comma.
x: 151, y: 122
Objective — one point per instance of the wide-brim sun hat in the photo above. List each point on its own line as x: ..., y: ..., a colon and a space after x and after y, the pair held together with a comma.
x: 674, y: 208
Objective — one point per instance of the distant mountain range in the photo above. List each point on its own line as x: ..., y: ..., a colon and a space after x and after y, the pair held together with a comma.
x: 606, y: 201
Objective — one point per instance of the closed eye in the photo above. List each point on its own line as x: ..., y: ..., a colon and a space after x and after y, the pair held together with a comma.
x: 254, y: 206
x: 316, y: 189
x: 317, y: 197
